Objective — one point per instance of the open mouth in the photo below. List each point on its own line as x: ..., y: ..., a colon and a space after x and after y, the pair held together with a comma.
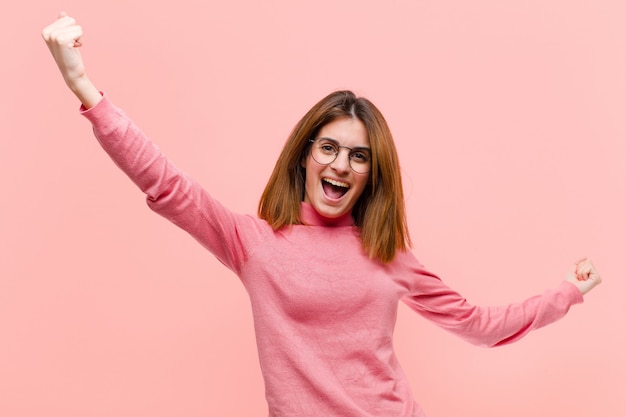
x: 334, y: 189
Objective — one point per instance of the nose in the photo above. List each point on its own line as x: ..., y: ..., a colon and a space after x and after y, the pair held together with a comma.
x: 341, y: 164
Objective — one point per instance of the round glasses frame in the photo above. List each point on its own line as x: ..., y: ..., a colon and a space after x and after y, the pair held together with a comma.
x: 328, y: 156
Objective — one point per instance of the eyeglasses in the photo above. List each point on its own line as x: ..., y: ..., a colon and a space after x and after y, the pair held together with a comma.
x: 325, y: 150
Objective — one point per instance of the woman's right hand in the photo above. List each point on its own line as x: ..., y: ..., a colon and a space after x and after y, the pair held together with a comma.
x: 63, y: 38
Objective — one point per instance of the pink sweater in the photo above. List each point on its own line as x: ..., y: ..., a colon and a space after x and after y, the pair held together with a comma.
x: 323, y: 312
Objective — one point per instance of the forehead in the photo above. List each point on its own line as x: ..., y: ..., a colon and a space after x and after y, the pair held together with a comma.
x: 346, y: 131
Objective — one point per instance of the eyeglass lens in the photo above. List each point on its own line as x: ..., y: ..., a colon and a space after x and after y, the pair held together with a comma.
x: 325, y: 152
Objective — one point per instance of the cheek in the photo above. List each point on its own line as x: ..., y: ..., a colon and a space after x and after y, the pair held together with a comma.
x: 364, y: 182
x: 305, y: 160
x: 309, y: 172
x: 311, y: 167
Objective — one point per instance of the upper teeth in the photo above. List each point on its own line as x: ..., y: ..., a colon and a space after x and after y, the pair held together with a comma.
x: 337, y: 183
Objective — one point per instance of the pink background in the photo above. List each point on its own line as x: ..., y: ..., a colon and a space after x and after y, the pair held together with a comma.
x: 510, y: 119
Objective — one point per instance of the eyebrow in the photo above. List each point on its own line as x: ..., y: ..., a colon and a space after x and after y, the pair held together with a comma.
x: 356, y: 148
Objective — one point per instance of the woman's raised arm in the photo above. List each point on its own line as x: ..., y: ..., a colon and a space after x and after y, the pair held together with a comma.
x: 63, y: 38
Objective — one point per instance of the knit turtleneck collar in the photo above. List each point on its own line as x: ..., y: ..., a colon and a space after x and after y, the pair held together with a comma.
x: 311, y: 217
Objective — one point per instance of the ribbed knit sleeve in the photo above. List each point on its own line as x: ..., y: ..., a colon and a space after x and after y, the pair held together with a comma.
x: 168, y: 190
x: 488, y: 326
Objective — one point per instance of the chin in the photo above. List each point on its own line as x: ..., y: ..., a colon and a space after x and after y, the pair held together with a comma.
x: 331, y: 212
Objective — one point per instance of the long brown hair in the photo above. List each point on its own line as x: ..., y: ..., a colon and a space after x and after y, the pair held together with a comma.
x: 379, y: 213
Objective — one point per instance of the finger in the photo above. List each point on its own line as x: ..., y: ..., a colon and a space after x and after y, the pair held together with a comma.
x: 58, y: 24
x: 593, y: 272
x: 66, y: 36
x: 597, y: 279
x: 584, y: 269
x: 588, y: 271
x: 578, y: 272
x: 591, y: 265
x: 585, y: 265
x: 583, y: 273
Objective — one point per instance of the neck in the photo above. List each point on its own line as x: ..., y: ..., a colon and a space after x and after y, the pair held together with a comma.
x: 311, y: 217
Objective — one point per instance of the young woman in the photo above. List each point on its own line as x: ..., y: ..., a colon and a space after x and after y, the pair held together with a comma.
x: 327, y: 262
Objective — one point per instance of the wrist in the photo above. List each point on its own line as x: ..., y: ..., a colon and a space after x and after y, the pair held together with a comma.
x: 77, y: 84
x: 85, y: 91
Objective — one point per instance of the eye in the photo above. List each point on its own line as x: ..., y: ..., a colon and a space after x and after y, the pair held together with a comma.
x: 328, y: 148
x: 359, y: 156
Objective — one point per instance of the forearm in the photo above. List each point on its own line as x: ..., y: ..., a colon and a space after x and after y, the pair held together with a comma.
x: 490, y: 326
x: 497, y: 326
x: 85, y: 91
